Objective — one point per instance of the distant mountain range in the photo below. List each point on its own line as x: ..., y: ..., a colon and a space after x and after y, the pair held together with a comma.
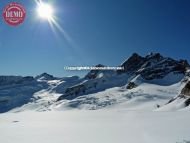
x: 153, y: 82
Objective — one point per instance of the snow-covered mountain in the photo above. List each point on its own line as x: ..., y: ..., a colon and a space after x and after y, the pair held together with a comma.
x: 135, y: 105
x: 153, y: 82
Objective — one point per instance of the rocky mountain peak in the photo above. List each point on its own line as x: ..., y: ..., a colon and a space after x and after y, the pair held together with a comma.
x: 152, y: 66
x: 132, y: 63
x: 156, y: 56
x: 93, y: 73
x: 45, y: 76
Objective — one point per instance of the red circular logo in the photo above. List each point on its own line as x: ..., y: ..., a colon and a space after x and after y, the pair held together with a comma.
x: 14, y: 14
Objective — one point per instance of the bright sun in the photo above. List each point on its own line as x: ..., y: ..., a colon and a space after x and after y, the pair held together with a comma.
x: 45, y: 11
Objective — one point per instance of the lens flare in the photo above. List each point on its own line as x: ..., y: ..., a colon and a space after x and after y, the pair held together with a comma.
x: 45, y: 11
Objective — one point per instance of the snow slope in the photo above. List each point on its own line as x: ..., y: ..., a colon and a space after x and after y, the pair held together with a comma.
x: 100, y: 126
x: 138, y: 105
x: 148, y: 95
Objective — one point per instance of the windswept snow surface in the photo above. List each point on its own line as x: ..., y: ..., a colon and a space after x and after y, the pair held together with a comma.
x: 100, y: 126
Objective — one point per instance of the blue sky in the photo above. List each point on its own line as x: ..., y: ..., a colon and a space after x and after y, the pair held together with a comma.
x: 100, y: 31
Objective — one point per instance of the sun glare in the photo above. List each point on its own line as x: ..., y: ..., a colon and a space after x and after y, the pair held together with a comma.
x: 45, y: 11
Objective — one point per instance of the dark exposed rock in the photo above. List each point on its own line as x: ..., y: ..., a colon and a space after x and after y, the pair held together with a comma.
x: 73, y: 92
x: 131, y: 85
x: 153, y: 66
x: 181, y: 66
x: 159, y: 67
x: 132, y: 64
x: 186, y: 89
x: 187, y: 102
x: 93, y: 73
x: 171, y: 100
x: 185, y: 95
